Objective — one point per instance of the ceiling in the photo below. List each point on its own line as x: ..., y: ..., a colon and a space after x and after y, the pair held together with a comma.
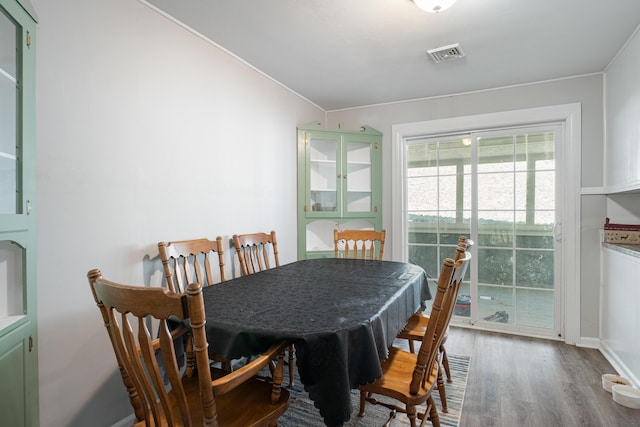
x: 347, y: 53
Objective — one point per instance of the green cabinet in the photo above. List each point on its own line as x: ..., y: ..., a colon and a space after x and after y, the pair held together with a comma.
x: 18, y: 327
x: 339, y: 185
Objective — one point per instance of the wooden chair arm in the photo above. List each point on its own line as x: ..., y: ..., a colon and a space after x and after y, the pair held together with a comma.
x: 233, y: 379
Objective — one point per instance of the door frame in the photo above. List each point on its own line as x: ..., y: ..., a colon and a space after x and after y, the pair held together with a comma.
x: 567, y: 114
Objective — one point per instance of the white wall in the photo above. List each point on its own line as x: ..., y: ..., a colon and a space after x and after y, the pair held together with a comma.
x: 587, y: 90
x: 145, y: 132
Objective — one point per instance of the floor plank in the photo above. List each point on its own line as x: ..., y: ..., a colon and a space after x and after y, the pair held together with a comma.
x: 519, y: 381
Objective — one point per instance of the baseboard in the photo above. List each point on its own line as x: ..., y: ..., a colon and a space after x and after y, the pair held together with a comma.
x: 588, y: 342
x: 620, y: 367
x: 608, y: 353
x: 125, y: 422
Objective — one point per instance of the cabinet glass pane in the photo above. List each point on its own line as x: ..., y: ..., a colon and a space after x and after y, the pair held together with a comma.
x: 11, y: 303
x: 323, y: 174
x: 359, y: 177
x: 8, y: 115
x: 7, y: 46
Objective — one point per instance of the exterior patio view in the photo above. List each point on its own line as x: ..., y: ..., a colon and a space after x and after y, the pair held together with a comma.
x: 498, y: 188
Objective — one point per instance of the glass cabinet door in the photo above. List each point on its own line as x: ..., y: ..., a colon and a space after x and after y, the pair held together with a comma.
x: 8, y: 115
x: 358, y: 176
x: 11, y: 285
x: 324, y: 173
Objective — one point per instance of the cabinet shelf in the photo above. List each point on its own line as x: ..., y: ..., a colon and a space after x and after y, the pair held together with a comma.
x: 6, y: 75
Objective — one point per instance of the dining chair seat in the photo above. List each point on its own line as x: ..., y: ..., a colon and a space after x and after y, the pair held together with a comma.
x: 228, y: 412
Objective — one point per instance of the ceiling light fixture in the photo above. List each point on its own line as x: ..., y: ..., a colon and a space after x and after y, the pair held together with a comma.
x: 434, y: 6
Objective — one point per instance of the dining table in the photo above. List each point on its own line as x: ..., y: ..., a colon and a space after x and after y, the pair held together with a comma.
x: 340, y: 314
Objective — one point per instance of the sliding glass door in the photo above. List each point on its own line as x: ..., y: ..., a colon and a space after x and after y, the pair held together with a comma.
x: 500, y: 188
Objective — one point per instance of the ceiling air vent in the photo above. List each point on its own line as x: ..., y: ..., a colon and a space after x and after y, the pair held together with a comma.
x: 446, y: 53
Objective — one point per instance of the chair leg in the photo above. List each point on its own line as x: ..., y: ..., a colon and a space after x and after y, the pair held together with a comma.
x: 363, y: 402
x: 411, y: 349
x: 441, y: 391
x: 433, y: 413
x: 445, y: 362
x: 411, y: 413
x: 277, y: 376
x: 291, y: 351
x: 134, y: 397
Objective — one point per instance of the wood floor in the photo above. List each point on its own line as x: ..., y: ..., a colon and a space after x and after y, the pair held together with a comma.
x: 517, y: 381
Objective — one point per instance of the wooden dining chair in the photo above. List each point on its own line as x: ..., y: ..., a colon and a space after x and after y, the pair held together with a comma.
x: 258, y: 252
x: 364, y: 244
x: 189, y: 261
x: 417, y: 325
x: 160, y: 394
x: 407, y: 377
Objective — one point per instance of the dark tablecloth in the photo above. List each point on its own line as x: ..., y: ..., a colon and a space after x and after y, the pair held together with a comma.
x: 341, y: 314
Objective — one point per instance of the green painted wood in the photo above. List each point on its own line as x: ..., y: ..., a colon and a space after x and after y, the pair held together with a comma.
x: 13, y: 355
x: 19, y: 404
x: 330, y: 219
x: 28, y: 7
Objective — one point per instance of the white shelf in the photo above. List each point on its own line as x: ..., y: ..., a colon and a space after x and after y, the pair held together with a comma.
x: 5, y: 322
x: 320, y: 235
x: 8, y: 76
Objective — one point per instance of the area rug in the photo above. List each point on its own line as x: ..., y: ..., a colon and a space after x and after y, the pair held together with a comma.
x: 302, y: 413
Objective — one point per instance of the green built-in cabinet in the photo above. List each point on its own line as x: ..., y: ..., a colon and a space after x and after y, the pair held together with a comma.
x: 339, y: 185
x: 18, y: 327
